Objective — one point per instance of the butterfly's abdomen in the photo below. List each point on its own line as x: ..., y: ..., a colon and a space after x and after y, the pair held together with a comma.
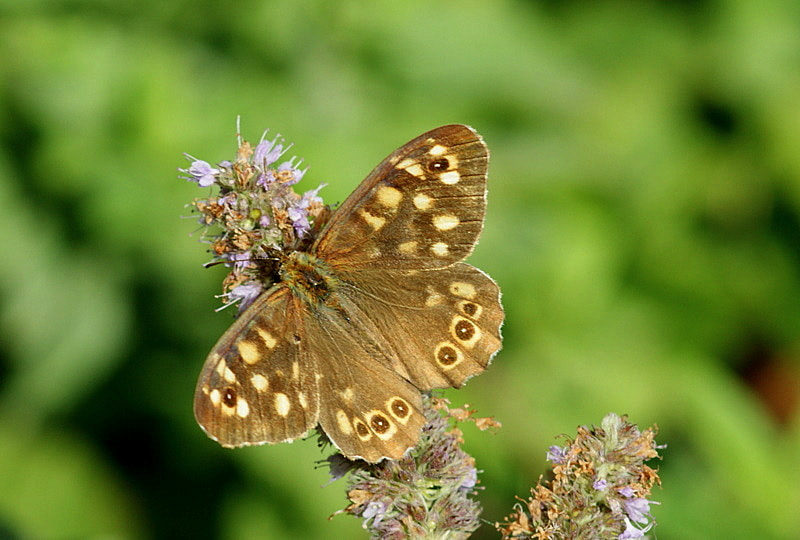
x: 309, y: 278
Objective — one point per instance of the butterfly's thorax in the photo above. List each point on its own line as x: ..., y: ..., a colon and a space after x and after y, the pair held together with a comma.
x: 309, y: 278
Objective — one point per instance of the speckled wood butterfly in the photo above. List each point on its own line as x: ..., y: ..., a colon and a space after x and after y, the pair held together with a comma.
x: 378, y: 309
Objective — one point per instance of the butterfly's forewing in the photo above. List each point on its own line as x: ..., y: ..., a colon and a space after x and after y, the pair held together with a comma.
x: 422, y: 207
x: 443, y: 326
x: 258, y: 384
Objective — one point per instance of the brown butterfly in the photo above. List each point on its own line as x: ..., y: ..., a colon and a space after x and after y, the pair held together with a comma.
x: 377, y: 310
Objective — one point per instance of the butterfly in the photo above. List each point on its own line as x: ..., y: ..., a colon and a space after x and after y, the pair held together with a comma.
x: 376, y: 310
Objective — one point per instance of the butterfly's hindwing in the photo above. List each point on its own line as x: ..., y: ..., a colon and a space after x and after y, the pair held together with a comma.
x: 258, y: 385
x: 443, y: 326
x: 422, y: 207
x: 370, y: 411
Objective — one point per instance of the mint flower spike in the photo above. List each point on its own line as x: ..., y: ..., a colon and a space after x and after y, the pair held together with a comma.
x: 253, y: 214
x: 426, y: 494
x: 600, y: 487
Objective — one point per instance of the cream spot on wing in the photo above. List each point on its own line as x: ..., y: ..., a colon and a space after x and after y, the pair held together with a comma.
x: 259, y: 382
x: 242, y: 408
x: 282, y: 404
x: 221, y: 365
x: 450, y: 177
x: 410, y: 165
x: 408, y: 248
x: 439, y: 249
x: 376, y: 222
x: 228, y: 375
x: 437, y: 150
x: 405, y: 163
x: 446, y: 222
x: 462, y: 289
x: 434, y: 299
x: 215, y: 397
x: 295, y: 370
x: 422, y: 201
x: 389, y: 196
x: 343, y: 422
x: 347, y: 395
x: 248, y: 351
x: 268, y: 338
x: 301, y: 397
x: 416, y: 170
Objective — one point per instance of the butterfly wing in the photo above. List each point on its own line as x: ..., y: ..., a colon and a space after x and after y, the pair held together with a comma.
x: 368, y: 410
x: 442, y: 326
x: 258, y: 384
x: 422, y: 207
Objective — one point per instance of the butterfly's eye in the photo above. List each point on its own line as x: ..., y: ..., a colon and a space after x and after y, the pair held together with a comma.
x: 229, y: 397
x: 441, y: 164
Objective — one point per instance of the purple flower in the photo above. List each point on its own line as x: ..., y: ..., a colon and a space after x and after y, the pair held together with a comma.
x: 240, y: 261
x: 600, y: 485
x: 632, y: 531
x: 470, y: 480
x: 376, y: 510
x: 299, y: 218
x: 638, y: 509
x: 245, y: 294
x: 268, y: 152
x: 627, y: 491
x: 202, y: 173
x: 298, y: 211
x: 310, y: 197
x: 556, y: 454
x: 289, y: 168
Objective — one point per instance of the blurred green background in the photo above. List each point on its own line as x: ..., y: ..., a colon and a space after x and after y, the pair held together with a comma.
x: 643, y: 222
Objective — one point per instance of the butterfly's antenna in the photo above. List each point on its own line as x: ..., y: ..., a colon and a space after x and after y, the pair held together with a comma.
x: 215, y: 263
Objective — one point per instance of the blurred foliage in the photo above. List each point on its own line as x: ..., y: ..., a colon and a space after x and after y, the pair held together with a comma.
x: 643, y: 222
